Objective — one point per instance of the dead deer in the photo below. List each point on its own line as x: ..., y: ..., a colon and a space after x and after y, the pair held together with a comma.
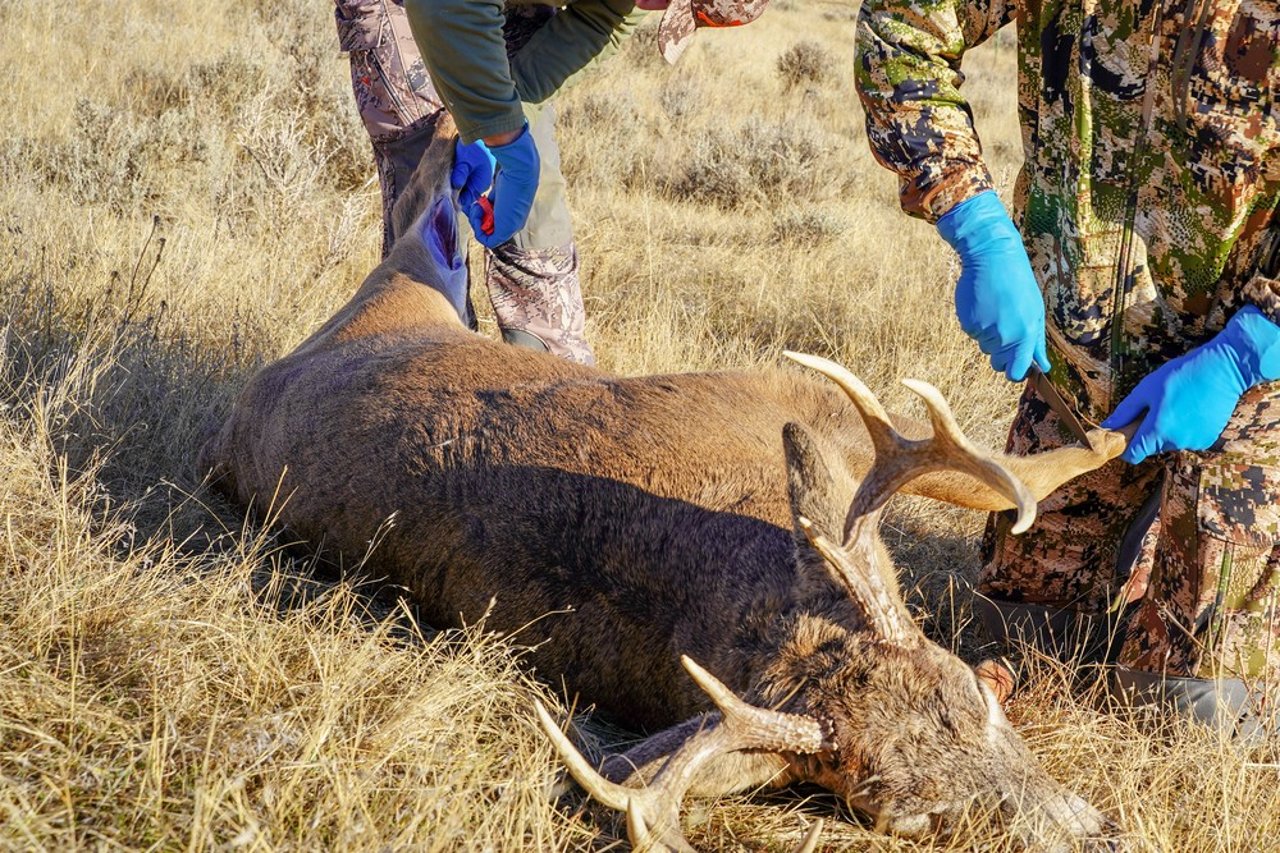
x: 692, y: 554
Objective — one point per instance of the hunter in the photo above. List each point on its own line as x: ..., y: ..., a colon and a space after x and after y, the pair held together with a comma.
x: 496, y: 69
x: 1146, y: 247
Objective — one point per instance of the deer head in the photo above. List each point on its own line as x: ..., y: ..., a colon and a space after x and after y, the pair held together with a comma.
x: 902, y: 729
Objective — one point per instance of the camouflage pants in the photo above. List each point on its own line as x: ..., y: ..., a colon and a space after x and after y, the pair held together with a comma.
x: 1201, y: 583
x: 532, y: 279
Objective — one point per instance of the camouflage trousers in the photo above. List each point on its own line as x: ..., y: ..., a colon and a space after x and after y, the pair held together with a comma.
x: 1197, y: 582
x: 532, y: 279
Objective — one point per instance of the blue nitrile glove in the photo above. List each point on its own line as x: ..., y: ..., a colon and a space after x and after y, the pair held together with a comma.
x: 997, y: 299
x: 514, y: 185
x: 1189, y: 400
x: 472, y: 172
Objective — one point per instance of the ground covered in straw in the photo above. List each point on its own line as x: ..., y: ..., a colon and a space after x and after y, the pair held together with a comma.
x: 186, y: 193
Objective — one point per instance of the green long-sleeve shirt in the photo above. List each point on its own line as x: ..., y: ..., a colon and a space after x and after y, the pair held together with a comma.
x: 463, y: 48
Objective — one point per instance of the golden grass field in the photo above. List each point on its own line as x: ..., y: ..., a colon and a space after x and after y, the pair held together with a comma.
x: 187, y: 192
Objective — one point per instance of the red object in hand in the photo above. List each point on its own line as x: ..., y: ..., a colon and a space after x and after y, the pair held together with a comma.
x: 486, y: 214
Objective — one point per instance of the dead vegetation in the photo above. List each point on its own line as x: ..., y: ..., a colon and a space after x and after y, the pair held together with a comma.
x: 805, y: 62
x: 167, y: 679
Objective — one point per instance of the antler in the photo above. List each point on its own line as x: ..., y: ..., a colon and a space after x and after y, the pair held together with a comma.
x: 653, y: 812
x: 881, y: 605
x: 857, y: 563
x: 900, y: 459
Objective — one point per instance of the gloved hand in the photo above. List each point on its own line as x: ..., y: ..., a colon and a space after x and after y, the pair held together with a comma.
x: 997, y: 300
x: 1189, y: 400
x: 514, y: 184
x: 472, y: 173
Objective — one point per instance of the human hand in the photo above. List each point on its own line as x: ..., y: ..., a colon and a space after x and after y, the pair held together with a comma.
x: 998, y: 301
x: 1185, y: 404
x: 515, y: 182
x: 472, y: 174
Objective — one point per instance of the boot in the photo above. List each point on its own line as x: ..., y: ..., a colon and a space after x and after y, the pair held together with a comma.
x: 1061, y: 633
x: 1225, y: 704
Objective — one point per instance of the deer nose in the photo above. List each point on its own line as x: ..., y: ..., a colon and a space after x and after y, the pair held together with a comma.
x: 1058, y: 823
x: 1078, y: 816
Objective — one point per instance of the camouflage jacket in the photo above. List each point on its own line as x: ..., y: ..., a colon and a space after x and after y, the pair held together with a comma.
x: 1150, y: 176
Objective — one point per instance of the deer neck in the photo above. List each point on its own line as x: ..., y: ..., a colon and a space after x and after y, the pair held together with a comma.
x: 430, y: 255
x: 420, y: 288
x: 784, y: 654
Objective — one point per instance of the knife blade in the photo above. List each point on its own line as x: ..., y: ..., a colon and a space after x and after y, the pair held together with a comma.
x: 1039, y: 380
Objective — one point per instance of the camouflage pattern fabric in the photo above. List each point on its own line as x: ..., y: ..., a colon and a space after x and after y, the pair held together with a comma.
x: 1150, y: 171
x: 533, y: 279
x: 1206, y: 580
x: 1069, y: 557
x: 1149, y: 184
x: 392, y: 90
x: 1213, y: 605
x: 537, y: 291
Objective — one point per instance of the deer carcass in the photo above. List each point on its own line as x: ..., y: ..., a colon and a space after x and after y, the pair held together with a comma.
x: 633, y: 528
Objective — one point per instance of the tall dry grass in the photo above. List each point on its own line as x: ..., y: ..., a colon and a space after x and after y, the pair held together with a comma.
x: 186, y: 194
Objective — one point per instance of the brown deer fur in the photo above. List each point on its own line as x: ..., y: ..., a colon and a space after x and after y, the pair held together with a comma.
x: 617, y: 523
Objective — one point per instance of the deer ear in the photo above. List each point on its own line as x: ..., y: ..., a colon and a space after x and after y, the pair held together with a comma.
x: 816, y: 502
x: 811, y: 488
x: 432, y: 147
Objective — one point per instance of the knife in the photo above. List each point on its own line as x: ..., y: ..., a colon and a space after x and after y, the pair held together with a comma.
x: 1039, y: 380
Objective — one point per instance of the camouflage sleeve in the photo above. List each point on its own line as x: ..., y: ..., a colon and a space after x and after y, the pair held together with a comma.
x: 908, y: 79
x: 464, y: 50
x: 1264, y: 292
x: 580, y: 35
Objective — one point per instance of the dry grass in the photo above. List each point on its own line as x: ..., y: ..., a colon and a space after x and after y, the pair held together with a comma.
x: 187, y: 193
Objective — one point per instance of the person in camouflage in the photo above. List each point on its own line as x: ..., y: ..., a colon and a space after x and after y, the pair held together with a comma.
x: 1147, y: 209
x: 490, y: 95
x: 495, y: 68
x: 532, y: 279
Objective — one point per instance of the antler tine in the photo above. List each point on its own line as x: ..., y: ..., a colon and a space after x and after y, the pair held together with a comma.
x: 900, y: 460
x: 758, y: 728
x: 653, y: 812
x: 642, y: 840
x: 613, y: 795
x: 880, y: 606
x: 884, y: 438
x: 895, y: 454
x: 958, y: 452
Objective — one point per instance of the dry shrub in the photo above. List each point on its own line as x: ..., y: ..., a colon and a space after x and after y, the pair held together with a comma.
x: 615, y: 110
x: 808, y: 226
x: 803, y: 63
x: 641, y: 48
x: 756, y: 164
x: 681, y: 100
x: 841, y: 13
x: 117, y: 159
